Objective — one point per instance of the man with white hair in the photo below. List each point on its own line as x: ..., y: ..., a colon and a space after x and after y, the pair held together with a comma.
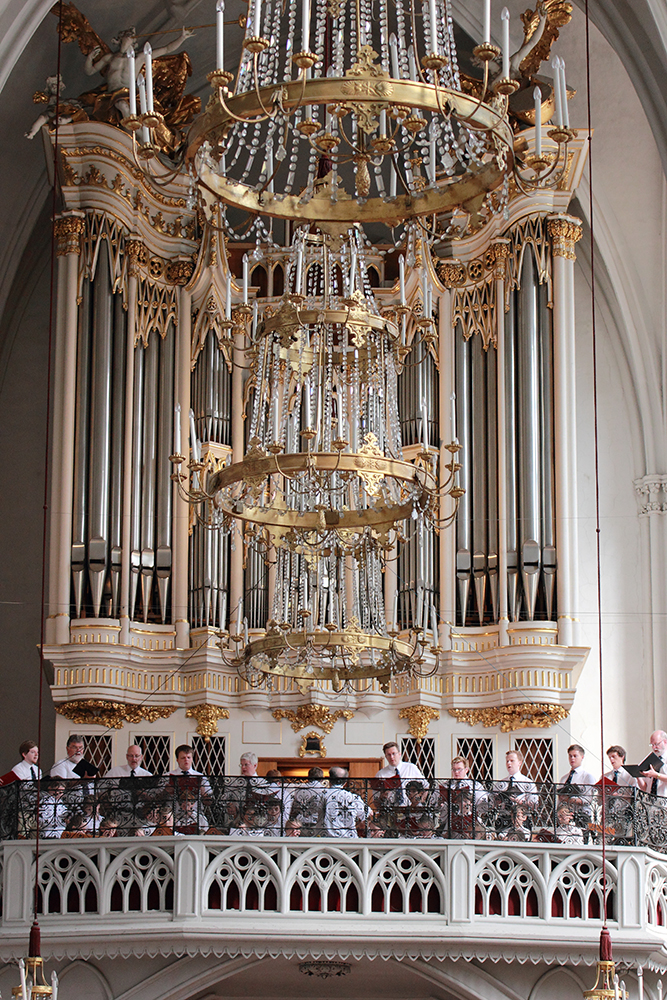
x: 133, y: 768
x: 655, y: 781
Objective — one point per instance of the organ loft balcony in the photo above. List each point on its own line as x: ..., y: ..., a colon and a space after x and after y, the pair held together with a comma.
x: 480, y: 878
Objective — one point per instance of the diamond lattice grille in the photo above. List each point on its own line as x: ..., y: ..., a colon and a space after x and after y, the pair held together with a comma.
x: 210, y: 755
x: 157, y: 753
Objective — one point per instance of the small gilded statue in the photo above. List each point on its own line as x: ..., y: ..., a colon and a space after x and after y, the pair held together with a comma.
x: 68, y: 111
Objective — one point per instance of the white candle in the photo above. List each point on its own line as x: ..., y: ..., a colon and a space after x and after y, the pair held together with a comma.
x: 452, y: 418
x: 617, y: 994
x: 132, y: 82
x: 431, y: 160
x: 269, y: 167
x: 412, y: 64
x: 563, y: 94
x: 394, y: 623
x: 145, y: 137
x: 177, y: 429
x: 353, y: 269
x: 54, y: 985
x: 640, y: 983
x: 434, y: 27
x: 24, y: 989
x: 245, y: 279
x: 393, y: 49
x: 305, y: 25
x: 487, y: 21
x: 306, y: 400
x: 239, y: 614
x: 393, y: 179
x: 148, y: 52
x: 424, y: 424
x: 228, y: 295
x: 425, y: 288
x: 383, y: 123
x: 194, y: 442
x: 245, y: 631
x: 220, y: 33
x: 505, y: 18
x: 537, y: 97
x: 299, y: 271
x: 557, y: 94
x: 258, y: 18
x: 434, y: 625
x: 401, y: 277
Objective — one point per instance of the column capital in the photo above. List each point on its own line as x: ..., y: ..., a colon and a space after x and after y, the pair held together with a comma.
x: 68, y: 231
x: 564, y: 231
x: 497, y: 256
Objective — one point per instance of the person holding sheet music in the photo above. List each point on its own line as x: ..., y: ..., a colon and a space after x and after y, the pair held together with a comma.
x: 654, y: 778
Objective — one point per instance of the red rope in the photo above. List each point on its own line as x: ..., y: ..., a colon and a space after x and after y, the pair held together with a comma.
x: 594, y: 346
x: 47, y: 435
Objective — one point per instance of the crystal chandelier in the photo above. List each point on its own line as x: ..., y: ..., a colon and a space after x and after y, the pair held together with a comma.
x: 323, y: 488
x: 356, y: 114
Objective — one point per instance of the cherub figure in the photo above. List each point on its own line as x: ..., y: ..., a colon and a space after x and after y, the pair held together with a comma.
x: 67, y: 110
x: 114, y: 65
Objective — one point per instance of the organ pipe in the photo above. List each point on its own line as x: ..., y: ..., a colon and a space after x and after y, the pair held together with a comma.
x: 117, y: 433
x: 163, y: 528
x: 79, y: 496
x: 464, y: 519
x: 548, y: 491
x: 510, y: 460
x: 479, y: 472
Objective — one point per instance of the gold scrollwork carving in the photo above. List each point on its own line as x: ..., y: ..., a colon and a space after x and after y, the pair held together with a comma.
x: 68, y: 232
x: 452, y: 275
x: 137, y: 256
x: 207, y: 717
x: 311, y: 743
x: 419, y: 717
x: 511, y: 717
x: 564, y: 231
x: 111, y: 714
x: 312, y: 715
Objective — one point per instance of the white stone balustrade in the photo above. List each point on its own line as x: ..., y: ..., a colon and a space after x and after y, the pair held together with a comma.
x: 222, y: 895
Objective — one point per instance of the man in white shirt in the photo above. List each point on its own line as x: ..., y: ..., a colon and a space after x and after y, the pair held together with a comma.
x: 133, y: 768
x: 655, y: 781
x: 618, y: 774
x: 75, y: 751
x: 26, y: 769
x: 342, y: 809
x: 308, y: 803
x: 397, y: 768
x: 192, y: 791
x: 578, y: 775
x: 517, y: 783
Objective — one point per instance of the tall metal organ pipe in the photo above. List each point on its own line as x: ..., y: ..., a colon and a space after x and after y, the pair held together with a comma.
x: 164, y: 449
x: 464, y: 518
x: 511, y: 461
x: 548, y: 484
x: 117, y: 433
x: 478, y: 420
x: 79, y: 496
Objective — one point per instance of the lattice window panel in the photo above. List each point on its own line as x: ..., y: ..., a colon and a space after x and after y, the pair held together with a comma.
x: 423, y: 755
x: 479, y: 752
x: 538, y: 757
x: 157, y: 753
x: 99, y: 751
x: 210, y: 756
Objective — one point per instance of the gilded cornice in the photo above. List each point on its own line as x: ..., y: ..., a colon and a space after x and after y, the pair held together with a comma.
x: 207, y: 717
x: 111, y: 714
x: 312, y: 715
x: 511, y: 717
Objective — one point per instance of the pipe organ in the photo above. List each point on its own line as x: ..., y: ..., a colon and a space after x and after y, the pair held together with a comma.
x: 151, y: 363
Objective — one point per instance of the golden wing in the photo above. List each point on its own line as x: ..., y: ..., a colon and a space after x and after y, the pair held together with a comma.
x: 559, y: 13
x: 75, y: 27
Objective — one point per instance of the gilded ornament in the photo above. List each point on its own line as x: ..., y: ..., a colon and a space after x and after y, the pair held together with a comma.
x: 564, y: 231
x: 68, y: 232
x: 111, y: 714
x: 312, y: 715
x: 452, y: 275
x: 368, y: 465
x: 179, y: 272
x: 207, y: 717
x: 511, y: 717
x: 311, y: 743
x: 419, y: 717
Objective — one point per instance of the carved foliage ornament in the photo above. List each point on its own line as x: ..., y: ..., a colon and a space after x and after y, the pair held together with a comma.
x: 564, y: 232
x: 68, y: 232
x: 419, y: 717
x: 511, y: 717
x: 312, y: 715
x: 111, y: 714
x: 207, y: 717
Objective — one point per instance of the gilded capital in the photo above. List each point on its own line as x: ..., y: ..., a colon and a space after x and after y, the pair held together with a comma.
x: 496, y: 258
x: 207, y: 717
x: 68, y: 231
x: 419, y: 717
x: 111, y: 714
x: 564, y: 231
x: 137, y: 256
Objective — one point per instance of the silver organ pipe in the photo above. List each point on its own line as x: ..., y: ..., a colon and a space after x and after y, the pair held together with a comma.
x: 148, y: 471
x: 79, y: 510
x: 510, y: 457
x: 491, y: 359
x: 117, y: 432
x: 137, y: 455
x: 100, y: 415
x: 164, y: 493
x: 479, y: 472
x: 529, y: 467
x: 464, y: 518
x: 547, y: 491
x: 209, y: 550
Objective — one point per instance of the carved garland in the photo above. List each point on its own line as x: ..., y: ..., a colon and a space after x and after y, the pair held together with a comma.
x: 511, y: 717
x: 111, y: 714
x: 312, y: 715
